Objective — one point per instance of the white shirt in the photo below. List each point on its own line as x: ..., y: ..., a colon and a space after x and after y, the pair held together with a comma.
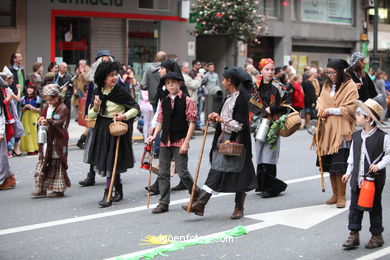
x: 381, y: 164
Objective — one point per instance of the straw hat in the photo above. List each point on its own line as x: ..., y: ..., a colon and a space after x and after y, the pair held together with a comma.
x: 372, y: 109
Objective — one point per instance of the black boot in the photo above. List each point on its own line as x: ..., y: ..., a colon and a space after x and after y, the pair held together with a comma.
x: 259, y: 176
x: 103, y: 203
x: 90, y: 180
x: 198, y: 206
x: 81, y: 141
x: 180, y: 186
x: 154, y: 189
x: 118, y: 193
x: 239, y: 207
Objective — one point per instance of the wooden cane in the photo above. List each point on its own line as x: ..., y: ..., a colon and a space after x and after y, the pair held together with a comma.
x: 198, y: 167
x: 150, y: 175
x: 118, y: 139
x: 319, y: 153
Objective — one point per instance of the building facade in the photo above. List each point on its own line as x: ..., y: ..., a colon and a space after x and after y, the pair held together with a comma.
x: 13, y: 32
x: 70, y: 30
x: 309, y: 32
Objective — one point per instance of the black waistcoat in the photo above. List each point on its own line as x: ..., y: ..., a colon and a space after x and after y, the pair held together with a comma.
x: 174, y: 124
x: 374, y: 146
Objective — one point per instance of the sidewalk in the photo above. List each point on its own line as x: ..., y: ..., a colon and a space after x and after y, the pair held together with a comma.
x: 75, y: 131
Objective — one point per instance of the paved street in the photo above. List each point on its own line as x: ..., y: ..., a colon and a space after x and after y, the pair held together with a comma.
x: 74, y: 227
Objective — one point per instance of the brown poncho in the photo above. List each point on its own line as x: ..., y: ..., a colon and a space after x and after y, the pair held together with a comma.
x: 335, y: 129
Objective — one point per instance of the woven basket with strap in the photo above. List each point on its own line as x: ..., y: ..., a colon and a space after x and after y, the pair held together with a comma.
x: 292, y: 124
x: 118, y: 128
x: 233, y: 149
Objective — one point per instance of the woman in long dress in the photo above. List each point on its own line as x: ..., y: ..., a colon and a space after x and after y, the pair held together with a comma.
x: 230, y: 173
x: 267, y: 100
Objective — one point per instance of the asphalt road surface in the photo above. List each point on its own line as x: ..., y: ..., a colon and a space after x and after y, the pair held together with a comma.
x: 295, y: 225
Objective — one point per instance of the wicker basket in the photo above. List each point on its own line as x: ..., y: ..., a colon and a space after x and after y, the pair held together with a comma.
x: 292, y: 124
x: 90, y: 122
x: 234, y: 149
x: 230, y: 149
x: 118, y: 128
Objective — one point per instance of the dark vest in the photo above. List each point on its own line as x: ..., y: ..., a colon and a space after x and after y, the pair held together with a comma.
x: 174, y: 124
x: 374, y: 146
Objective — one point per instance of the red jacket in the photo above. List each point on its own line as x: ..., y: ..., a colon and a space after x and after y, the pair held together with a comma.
x: 298, y: 98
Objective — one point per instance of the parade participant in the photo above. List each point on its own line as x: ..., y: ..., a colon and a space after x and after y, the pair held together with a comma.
x: 31, y: 107
x: 7, y: 178
x: 230, y: 173
x: 12, y: 117
x: 268, y: 98
x: 102, y: 56
x: 17, y: 71
x: 370, y: 153
x: 51, y: 170
x: 176, y: 119
x: 364, y: 84
x: 166, y: 67
x: 111, y: 100
x: 336, y: 109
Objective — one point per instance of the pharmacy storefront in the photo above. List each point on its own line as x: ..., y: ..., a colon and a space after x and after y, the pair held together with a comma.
x: 70, y: 30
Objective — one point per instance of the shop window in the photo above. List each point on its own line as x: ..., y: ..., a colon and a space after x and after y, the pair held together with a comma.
x: 383, y: 10
x: 270, y: 7
x: 143, y: 43
x: 325, y: 11
x: 154, y: 4
x: 72, y: 39
x: 7, y: 13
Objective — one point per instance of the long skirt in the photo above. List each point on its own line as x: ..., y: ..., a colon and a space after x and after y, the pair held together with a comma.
x: 230, y: 173
x: 264, y: 153
x: 88, y: 145
x: 5, y: 170
x: 102, y: 151
x: 56, y: 179
x: 29, y: 142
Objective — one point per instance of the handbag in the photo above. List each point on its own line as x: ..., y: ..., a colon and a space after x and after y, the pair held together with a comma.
x: 229, y: 148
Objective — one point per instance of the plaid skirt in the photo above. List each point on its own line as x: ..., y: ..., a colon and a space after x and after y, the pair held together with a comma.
x: 56, y: 179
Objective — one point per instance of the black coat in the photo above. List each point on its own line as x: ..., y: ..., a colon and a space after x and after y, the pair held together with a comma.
x: 310, y: 94
x: 367, y: 90
x: 69, y: 91
x: 16, y: 79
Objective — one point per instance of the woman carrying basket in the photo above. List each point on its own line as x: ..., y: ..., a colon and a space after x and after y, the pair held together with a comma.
x: 267, y: 100
x: 230, y: 173
x: 111, y: 100
x: 336, y: 110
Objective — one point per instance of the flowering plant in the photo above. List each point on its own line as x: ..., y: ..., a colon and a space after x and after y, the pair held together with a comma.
x: 239, y: 19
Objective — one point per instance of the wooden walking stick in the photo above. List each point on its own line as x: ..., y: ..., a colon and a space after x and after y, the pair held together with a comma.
x: 118, y: 139
x: 198, y: 167
x: 319, y: 152
x: 150, y: 175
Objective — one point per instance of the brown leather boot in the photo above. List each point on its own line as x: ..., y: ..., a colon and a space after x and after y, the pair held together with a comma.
x: 341, y: 200
x: 198, y: 206
x: 38, y: 192
x: 239, y: 208
x: 161, y: 208
x: 8, y: 183
x: 353, y: 240
x: 333, y: 199
x: 376, y: 241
